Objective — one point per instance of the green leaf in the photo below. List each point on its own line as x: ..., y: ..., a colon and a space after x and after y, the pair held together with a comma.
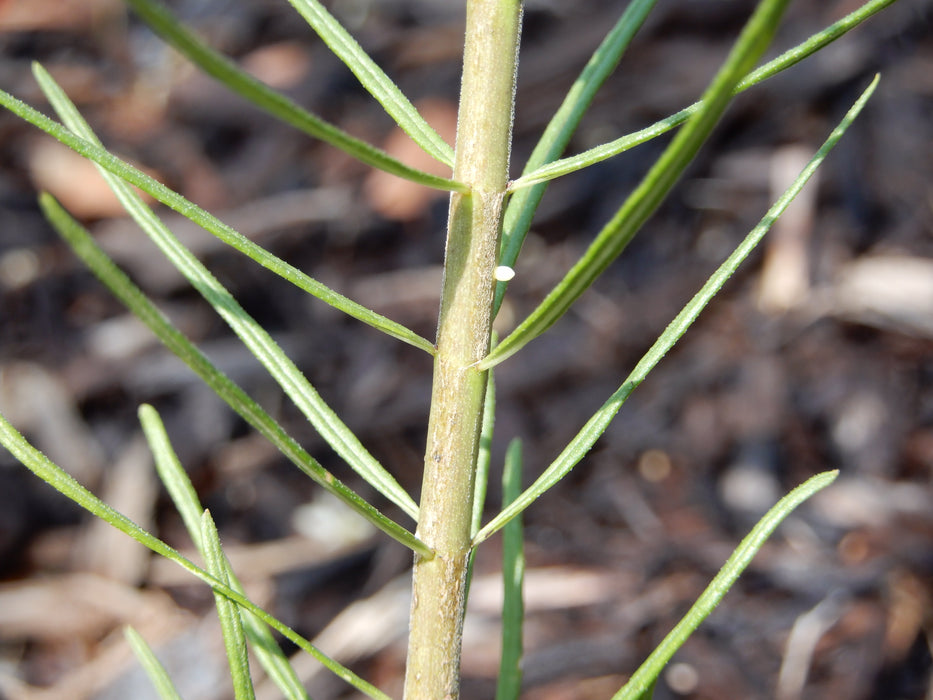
x: 372, y: 77
x: 509, y: 684
x: 649, y: 194
x: 597, y: 424
x: 523, y: 203
x: 481, y: 478
x: 259, y: 342
x: 792, y: 56
x: 133, y: 298
x: 186, y: 501
x: 236, y: 79
x: 270, y: 654
x: 173, y: 475
x: 230, y: 623
x: 484, y: 455
x: 211, y: 223
x: 151, y: 665
x: 64, y: 483
x: 642, y: 680
x: 649, y: 693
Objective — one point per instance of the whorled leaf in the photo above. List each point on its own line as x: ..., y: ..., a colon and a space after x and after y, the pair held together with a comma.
x: 210, y: 223
x: 509, y: 682
x: 643, y: 679
x: 235, y: 78
x: 615, y: 236
x: 183, y: 495
x: 159, y: 677
x: 374, y: 79
x: 597, y: 424
x: 524, y: 201
x: 257, y: 340
x: 484, y: 456
x: 135, y: 300
x: 791, y: 57
x: 64, y: 483
x: 231, y: 625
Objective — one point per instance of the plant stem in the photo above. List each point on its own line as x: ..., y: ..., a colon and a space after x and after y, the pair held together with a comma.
x: 464, y: 329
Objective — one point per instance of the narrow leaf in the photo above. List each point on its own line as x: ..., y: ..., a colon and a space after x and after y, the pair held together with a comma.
x: 186, y: 501
x: 509, y: 684
x: 173, y: 475
x: 484, y: 457
x: 523, y: 203
x: 792, y: 56
x: 481, y: 478
x: 230, y: 623
x: 270, y: 654
x: 597, y: 424
x: 372, y: 77
x: 151, y: 665
x: 211, y: 223
x: 236, y: 79
x: 259, y: 342
x: 649, y: 194
x: 64, y: 483
x: 644, y: 677
x: 133, y: 298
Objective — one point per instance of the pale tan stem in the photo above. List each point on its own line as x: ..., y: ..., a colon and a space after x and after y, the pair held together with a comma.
x: 464, y: 330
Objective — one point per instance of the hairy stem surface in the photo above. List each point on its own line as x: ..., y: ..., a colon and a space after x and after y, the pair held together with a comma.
x: 464, y: 329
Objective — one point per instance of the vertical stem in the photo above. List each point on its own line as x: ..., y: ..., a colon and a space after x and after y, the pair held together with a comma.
x: 464, y: 329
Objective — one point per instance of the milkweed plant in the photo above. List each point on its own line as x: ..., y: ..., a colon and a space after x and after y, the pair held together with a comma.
x: 488, y: 218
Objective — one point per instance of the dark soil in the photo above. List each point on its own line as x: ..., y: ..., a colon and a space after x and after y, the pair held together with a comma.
x: 817, y: 355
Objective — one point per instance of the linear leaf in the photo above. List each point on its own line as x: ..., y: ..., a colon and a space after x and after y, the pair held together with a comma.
x: 259, y: 342
x: 597, y: 424
x: 560, y: 129
x: 227, y: 72
x: 186, y: 501
x: 267, y: 650
x: 151, y: 665
x: 642, y: 680
x: 509, y: 683
x: 483, y: 462
x: 787, y: 59
x: 649, y: 194
x: 133, y: 298
x: 173, y: 475
x: 227, y: 611
x: 211, y: 223
x: 64, y: 483
x: 372, y: 77
x: 484, y: 456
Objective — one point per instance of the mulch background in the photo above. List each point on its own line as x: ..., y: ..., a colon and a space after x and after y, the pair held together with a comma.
x: 817, y: 355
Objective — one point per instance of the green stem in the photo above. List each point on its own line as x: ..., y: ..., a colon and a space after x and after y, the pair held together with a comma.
x: 464, y: 329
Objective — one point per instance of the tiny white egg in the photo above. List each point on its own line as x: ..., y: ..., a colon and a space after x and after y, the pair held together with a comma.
x: 504, y: 273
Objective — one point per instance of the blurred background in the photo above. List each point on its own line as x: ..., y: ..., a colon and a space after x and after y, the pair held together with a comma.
x: 817, y: 355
